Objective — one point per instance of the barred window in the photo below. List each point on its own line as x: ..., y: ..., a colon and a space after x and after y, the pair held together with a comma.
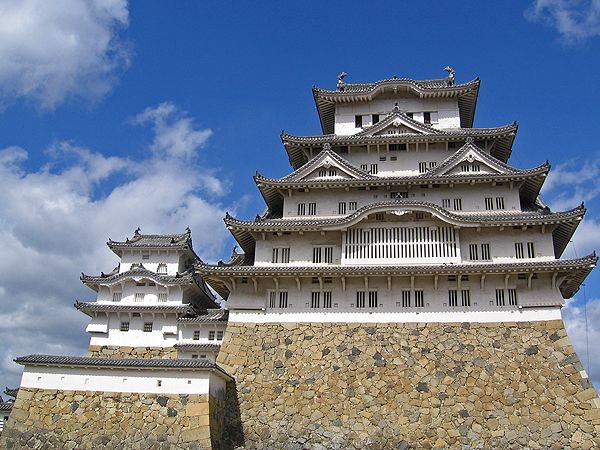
x: 124, y: 326
x: 519, y: 250
x: 211, y: 335
x: 220, y: 335
x: 281, y: 255
x: 419, y: 298
x: 453, y: 298
x: 162, y: 268
x: 406, y: 299
x: 485, y: 252
x: 473, y: 253
x: 138, y: 297
x: 373, y: 299
x: 322, y: 255
x: 162, y: 297
x: 327, y: 299
x: 272, y: 299
x: 512, y: 297
x: 196, y: 335
x: 457, y: 204
x: 283, y: 299
x: 489, y: 203
x: 360, y: 299
x: 422, y: 167
x: 147, y: 327
x: 465, y: 296
x: 315, y: 300
x: 500, y: 297
x: 499, y: 202
x: 446, y: 203
x: 342, y: 208
x: 301, y: 209
x: 117, y: 296
x: 352, y: 206
x: 374, y: 169
x: 530, y: 250
x: 312, y: 209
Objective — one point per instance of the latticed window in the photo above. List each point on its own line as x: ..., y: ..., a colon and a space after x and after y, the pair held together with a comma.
x: 281, y: 255
x: 322, y: 172
x: 352, y: 206
x: 283, y: 299
x: 322, y: 255
x: 419, y: 299
x: 124, y: 326
x: 162, y: 297
x: 162, y: 268
x: 500, y: 301
x: 196, y: 335
x: 315, y: 300
x: 117, y: 296
x: 138, y: 297
x: 406, y: 299
x: 272, y: 299
x: 364, y: 298
x: 211, y: 335
x: 147, y: 327
x: 446, y: 203
x: 219, y: 335
x: 512, y: 297
x: 327, y: 299
x: 364, y: 167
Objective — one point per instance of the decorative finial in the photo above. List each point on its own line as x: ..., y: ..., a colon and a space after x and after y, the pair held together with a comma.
x: 451, y: 73
x: 326, y: 146
x: 340, y: 81
x: 396, y: 107
x: 469, y: 139
x: 234, y: 251
x: 137, y: 231
x: 187, y: 230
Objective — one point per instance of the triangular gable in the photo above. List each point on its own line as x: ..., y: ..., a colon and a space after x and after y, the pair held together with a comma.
x: 470, y: 158
x: 397, y: 123
x: 335, y: 166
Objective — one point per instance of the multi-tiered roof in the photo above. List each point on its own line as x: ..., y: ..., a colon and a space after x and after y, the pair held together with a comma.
x: 366, y: 161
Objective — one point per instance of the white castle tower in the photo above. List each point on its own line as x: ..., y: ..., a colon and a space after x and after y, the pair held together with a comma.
x: 153, y: 304
x: 401, y: 211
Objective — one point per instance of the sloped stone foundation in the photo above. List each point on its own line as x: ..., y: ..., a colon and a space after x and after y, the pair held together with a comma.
x: 388, y: 386
x: 50, y: 419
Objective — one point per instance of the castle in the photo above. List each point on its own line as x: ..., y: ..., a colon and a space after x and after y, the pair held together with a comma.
x: 403, y: 288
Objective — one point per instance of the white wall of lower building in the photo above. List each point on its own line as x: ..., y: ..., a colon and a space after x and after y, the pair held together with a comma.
x: 164, y: 330
x: 196, y: 381
x: 151, y: 260
x: 150, y: 290
x: 389, y: 296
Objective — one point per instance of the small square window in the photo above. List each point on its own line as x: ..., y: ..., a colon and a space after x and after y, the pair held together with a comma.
x: 211, y: 335
x: 124, y: 326
x: 197, y: 335
x: 219, y: 335
x: 147, y: 327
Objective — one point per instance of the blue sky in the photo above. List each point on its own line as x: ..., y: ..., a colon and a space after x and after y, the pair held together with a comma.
x: 156, y: 114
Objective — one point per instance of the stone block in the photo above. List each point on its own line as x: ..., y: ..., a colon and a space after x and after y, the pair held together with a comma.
x: 197, y: 409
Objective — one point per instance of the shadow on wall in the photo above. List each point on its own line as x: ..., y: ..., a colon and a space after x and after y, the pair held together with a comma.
x: 233, y: 434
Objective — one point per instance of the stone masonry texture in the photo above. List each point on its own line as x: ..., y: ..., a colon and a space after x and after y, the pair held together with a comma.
x: 419, y: 386
x: 50, y: 419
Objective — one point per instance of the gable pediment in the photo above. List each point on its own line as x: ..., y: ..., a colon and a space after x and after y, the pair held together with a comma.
x: 327, y: 165
x: 397, y: 123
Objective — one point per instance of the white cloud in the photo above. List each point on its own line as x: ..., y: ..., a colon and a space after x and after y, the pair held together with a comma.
x: 54, y: 222
x: 575, y: 20
x: 583, y: 326
x: 59, y: 49
x: 571, y: 183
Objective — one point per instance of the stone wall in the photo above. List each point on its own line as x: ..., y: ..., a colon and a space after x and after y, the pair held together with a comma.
x: 44, y: 419
x: 112, y: 351
x: 383, y: 386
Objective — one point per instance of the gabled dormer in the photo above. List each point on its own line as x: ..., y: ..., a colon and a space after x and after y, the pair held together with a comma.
x: 397, y: 123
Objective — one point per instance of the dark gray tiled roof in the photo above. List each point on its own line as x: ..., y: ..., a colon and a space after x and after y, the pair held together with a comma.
x: 126, y: 363
x: 6, y: 406
x: 11, y: 392
x: 210, y: 315
x: 150, y: 241
x: 432, y: 84
x: 92, y: 307
x: 198, y: 347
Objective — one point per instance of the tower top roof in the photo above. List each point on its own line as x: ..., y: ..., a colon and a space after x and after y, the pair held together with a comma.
x: 141, y: 241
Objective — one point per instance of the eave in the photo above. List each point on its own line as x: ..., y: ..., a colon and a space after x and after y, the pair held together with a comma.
x: 466, y: 93
x: 575, y: 270
x: 93, y: 308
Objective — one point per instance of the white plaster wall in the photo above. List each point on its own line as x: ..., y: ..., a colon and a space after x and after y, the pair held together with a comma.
x: 208, y: 355
x: 473, y: 198
x: 169, y: 257
x: 502, y: 246
x: 436, y: 300
x: 136, y: 337
x: 128, y: 289
x: 190, y: 381
x: 447, y: 109
x: 186, y: 332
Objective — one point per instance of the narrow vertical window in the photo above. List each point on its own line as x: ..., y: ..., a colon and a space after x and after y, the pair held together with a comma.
x: 485, y: 252
x: 373, y: 299
x: 432, y: 164
x: 375, y: 118
x: 138, y: 297
x: 452, y: 298
x: 315, y: 300
x: 489, y: 203
x: 422, y: 167
x: 272, y: 299
x: 457, y: 204
x: 117, y: 296
x: 360, y: 299
x: 317, y: 255
x: 352, y: 206
x: 427, y: 117
x: 446, y: 203
x: 275, y: 257
x: 328, y: 254
x: 285, y: 255
x: 301, y: 209
x: 147, y: 327
x: 211, y: 335
x: 220, y: 335
x: 530, y: 250
x: 196, y: 335
x: 124, y: 326
x: 374, y: 169
x: 312, y: 209
x: 406, y: 299
x: 327, y: 299
x: 500, y: 297
x: 162, y: 268
x: 465, y: 297
x: 499, y: 202
x: 419, y: 299
x: 364, y: 167
x: 358, y: 121
x: 519, y: 250
x: 283, y: 299
x: 473, y: 253
x: 162, y: 297
x: 512, y: 297
x: 342, y: 208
